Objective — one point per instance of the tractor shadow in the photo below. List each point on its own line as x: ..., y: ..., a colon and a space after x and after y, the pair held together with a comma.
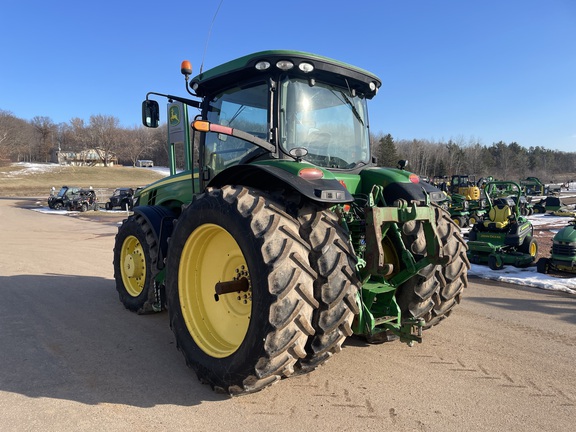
x: 68, y: 337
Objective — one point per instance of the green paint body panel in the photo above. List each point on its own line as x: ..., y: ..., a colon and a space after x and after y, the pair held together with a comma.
x: 382, y: 177
x: 169, y: 192
x: 293, y: 167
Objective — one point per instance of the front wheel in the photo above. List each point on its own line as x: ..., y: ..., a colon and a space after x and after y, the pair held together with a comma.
x: 239, y: 289
x: 459, y: 221
x: 495, y: 262
x: 135, y: 263
x: 529, y: 246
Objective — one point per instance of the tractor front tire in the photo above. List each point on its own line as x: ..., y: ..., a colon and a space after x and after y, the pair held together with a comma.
x: 244, y: 339
x: 135, y: 256
x: 433, y: 292
x: 336, y: 287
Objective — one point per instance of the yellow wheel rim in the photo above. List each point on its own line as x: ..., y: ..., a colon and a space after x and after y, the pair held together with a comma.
x: 211, y: 255
x: 533, y: 249
x: 133, y: 266
x: 456, y: 221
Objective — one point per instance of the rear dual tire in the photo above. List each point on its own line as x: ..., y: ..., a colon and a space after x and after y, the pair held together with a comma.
x: 335, y: 288
x: 243, y: 341
x: 433, y: 292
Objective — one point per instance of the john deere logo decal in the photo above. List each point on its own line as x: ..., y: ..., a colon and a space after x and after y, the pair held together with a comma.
x: 174, y: 115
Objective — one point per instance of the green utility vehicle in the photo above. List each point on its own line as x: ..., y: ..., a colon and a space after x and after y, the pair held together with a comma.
x: 563, y: 253
x: 283, y: 238
x: 506, y: 237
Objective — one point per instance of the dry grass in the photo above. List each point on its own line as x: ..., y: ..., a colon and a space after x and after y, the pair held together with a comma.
x: 15, y: 181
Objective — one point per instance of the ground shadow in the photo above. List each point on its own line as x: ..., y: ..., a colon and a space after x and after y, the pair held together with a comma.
x: 555, y: 303
x: 68, y: 337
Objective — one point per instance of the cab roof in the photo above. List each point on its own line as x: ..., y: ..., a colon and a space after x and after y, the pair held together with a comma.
x: 244, y: 69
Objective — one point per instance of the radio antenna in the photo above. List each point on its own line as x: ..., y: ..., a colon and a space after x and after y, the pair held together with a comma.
x: 208, y: 38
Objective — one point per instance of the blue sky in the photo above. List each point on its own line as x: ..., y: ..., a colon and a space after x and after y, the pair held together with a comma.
x: 482, y: 71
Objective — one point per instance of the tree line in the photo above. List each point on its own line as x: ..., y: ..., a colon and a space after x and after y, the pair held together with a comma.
x: 36, y: 141
x: 499, y: 160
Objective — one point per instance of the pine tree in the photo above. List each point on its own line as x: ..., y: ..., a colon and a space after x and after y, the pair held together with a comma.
x: 388, y: 154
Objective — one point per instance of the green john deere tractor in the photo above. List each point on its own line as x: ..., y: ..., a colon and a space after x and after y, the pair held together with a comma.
x: 279, y: 237
x: 505, y: 237
x: 563, y: 253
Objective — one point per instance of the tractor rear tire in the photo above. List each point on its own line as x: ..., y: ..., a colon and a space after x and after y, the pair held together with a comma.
x: 433, y: 292
x: 242, y: 341
x: 135, y: 256
x: 336, y: 287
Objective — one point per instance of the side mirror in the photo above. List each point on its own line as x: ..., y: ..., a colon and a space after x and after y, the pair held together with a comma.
x: 402, y: 164
x: 150, y: 113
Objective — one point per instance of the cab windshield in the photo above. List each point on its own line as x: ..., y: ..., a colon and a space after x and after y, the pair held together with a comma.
x: 328, y: 121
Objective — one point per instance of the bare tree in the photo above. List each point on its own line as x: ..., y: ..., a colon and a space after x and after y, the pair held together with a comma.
x: 104, y: 134
x: 136, y: 142
x: 44, y: 127
x: 7, y: 128
x: 80, y: 135
x: 16, y: 138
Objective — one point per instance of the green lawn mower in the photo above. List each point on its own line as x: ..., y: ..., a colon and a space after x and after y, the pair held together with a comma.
x: 563, y: 253
x: 458, y: 208
x: 505, y: 237
x: 548, y: 204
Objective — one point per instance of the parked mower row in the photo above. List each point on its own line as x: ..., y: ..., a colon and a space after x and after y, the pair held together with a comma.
x: 466, y: 197
x: 506, y: 236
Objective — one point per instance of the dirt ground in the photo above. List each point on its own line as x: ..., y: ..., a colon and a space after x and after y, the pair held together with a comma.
x: 73, y: 359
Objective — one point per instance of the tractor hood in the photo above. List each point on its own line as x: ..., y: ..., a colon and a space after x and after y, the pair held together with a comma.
x: 400, y: 184
x: 566, y: 234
